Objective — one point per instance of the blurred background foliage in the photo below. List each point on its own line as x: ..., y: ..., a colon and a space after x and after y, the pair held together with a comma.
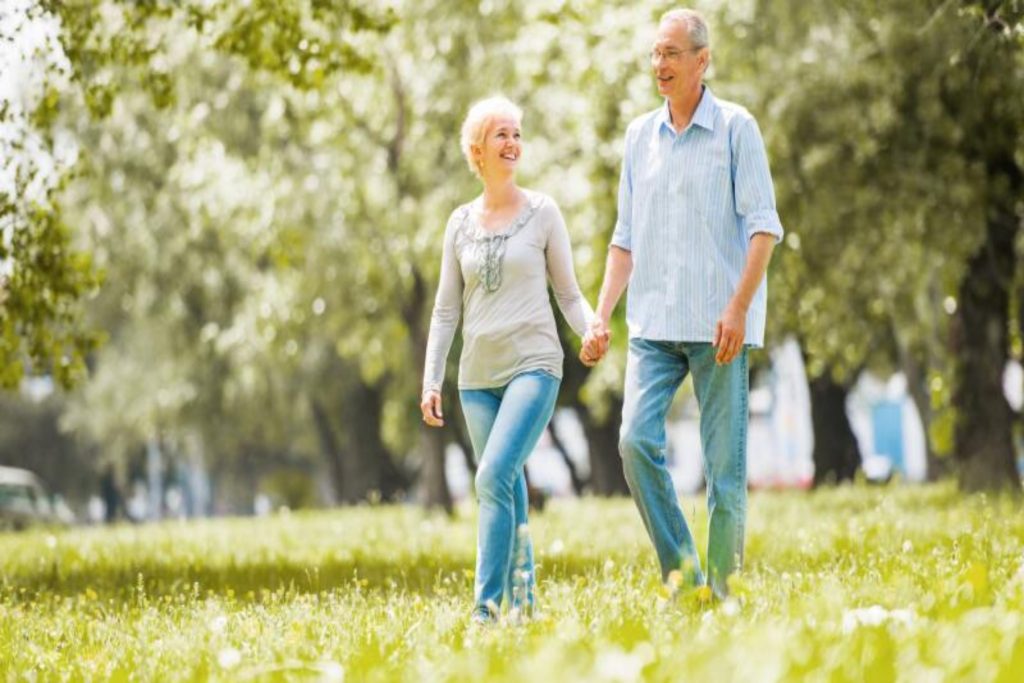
x: 230, y: 246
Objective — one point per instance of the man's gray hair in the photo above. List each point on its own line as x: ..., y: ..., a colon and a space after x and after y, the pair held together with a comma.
x: 696, y: 26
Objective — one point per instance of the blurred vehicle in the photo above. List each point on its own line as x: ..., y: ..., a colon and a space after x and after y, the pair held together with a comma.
x: 24, y: 501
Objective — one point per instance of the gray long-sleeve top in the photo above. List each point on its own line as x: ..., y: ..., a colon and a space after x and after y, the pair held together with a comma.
x: 512, y: 329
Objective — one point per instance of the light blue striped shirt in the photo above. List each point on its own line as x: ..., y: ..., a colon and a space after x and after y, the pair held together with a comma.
x: 688, y: 205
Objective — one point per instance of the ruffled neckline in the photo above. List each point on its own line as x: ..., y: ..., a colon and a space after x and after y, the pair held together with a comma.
x: 478, y: 232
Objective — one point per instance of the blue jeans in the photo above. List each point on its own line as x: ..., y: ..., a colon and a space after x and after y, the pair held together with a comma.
x: 505, y: 424
x: 654, y: 372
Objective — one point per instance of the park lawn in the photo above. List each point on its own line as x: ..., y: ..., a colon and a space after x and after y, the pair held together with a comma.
x: 913, y: 584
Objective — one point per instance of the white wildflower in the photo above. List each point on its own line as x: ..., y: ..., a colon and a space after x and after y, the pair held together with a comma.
x: 229, y: 658
x: 617, y: 665
x: 218, y: 623
x: 331, y: 671
x: 876, y: 615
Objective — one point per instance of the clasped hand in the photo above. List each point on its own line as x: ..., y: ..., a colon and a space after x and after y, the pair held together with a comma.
x: 595, y: 343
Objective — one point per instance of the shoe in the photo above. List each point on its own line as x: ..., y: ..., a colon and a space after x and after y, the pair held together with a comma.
x: 484, y: 615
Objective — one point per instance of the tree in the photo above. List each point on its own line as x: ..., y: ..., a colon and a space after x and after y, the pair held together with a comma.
x: 31, y: 438
x: 269, y: 183
x: 871, y: 108
x: 992, y: 73
x: 42, y: 277
x: 584, y: 79
x: 180, y: 362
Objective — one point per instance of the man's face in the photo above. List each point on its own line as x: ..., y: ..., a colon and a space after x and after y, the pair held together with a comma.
x: 678, y: 67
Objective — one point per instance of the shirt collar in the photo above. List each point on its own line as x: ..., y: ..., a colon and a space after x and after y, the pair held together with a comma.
x: 703, y: 116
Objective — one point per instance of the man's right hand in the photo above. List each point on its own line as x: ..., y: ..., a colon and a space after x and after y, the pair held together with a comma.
x: 595, y: 343
x: 430, y: 406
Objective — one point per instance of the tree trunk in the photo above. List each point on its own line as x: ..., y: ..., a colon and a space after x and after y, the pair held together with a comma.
x: 329, y: 446
x: 982, y: 438
x: 606, y: 477
x: 455, y: 424
x: 836, y: 456
x: 432, y: 479
x: 917, y: 387
x: 361, y: 466
x: 574, y: 476
x: 983, y: 444
x: 374, y: 469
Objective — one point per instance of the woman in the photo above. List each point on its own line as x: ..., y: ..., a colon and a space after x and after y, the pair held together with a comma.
x: 499, y: 252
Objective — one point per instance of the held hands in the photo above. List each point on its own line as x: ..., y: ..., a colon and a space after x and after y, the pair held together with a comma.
x: 431, y: 408
x: 730, y: 331
x: 595, y: 343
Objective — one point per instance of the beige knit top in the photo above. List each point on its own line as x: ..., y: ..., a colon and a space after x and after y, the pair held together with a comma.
x: 500, y: 281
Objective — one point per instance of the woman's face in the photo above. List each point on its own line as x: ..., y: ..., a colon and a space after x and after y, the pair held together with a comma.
x: 502, y: 147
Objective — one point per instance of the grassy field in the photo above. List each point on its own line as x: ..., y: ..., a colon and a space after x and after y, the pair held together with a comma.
x: 914, y: 584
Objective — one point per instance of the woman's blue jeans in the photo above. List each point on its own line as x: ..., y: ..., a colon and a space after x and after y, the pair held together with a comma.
x: 654, y: 372
x: 505, y: 424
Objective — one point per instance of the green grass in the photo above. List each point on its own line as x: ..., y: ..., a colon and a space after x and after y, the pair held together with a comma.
x: 855, y: 584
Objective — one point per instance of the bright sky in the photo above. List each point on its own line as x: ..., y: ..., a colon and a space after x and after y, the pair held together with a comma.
x: 23, y: 64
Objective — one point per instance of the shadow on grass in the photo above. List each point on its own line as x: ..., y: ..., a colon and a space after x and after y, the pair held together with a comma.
x: 257, y: 581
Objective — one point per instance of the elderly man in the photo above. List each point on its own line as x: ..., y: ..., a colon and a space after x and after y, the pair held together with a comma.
x: 696, y: 227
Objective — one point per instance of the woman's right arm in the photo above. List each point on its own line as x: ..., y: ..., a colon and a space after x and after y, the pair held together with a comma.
x: 443, y: 322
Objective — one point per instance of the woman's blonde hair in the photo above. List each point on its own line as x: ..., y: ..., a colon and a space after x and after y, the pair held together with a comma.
x: 478, y: 120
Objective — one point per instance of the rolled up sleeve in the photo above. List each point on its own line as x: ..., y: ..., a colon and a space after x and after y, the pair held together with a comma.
x: 622, y: 237
x: 755, y: 192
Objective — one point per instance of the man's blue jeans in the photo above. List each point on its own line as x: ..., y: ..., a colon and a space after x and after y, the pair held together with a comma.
x: 505, y: 424
x: 654, y: 372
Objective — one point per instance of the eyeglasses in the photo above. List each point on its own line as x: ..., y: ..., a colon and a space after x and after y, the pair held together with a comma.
x: 670, y: 55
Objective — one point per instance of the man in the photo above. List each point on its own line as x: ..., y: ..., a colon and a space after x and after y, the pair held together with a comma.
x: 696, y: 227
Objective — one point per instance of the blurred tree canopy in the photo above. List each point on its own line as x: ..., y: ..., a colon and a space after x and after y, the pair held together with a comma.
x: 43, y: 278
x: 264, y: 186
x: 895, y: 135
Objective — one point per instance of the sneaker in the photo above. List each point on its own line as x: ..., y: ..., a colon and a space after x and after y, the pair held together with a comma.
x: 485, y: 615
x: 478, y: 620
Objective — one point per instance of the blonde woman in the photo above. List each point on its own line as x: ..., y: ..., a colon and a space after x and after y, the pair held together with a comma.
x: 500, y: 252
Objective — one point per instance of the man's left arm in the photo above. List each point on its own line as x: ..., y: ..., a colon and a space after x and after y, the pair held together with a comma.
x: 759, y: 219
x: 731, y: 329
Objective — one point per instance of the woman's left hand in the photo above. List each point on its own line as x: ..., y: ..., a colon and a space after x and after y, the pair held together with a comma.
x: 431, y: 409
